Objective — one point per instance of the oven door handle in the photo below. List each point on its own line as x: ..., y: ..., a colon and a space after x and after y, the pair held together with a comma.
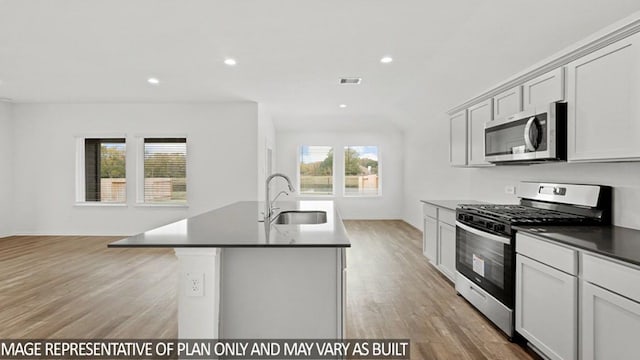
x: 484, y: 234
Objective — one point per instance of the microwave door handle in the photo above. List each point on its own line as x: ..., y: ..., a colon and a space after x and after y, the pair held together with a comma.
x: 529, y: 145
x: 486, y: 235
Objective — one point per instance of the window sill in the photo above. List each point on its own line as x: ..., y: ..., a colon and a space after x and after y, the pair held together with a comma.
x: 315, y: 196
x: 362, y: 196
x: 159, y: 205
x: 100, y: 204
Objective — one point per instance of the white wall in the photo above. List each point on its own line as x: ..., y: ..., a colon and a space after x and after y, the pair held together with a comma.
x: 221, y: 164
x: 387, y: 206
x: 266, y: 140
x: 427, y: 173
x: 624, y: 177
x: 6, y: 168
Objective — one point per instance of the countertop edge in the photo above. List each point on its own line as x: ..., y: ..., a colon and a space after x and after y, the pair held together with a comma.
x: 606, y: 254
x: 445, y: 203
x: 174, y: 246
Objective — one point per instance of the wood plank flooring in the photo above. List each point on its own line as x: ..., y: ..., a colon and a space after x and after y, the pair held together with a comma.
x: 393, y: 292
x: 75, y: 287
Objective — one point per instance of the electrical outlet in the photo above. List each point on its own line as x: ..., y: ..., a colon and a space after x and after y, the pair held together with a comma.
x: 194, y: 284
x: 510, y: 189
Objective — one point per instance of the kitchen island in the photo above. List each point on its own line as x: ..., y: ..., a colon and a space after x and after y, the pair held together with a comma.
x: 241, y: 278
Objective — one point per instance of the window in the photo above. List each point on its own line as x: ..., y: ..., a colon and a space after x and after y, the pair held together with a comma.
x: 165, y: 170
x: 316, y: 170
x: 361, y: 171
x: 105, y: 170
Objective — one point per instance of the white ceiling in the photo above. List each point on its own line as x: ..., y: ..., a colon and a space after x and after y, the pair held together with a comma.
x: 290, y: 53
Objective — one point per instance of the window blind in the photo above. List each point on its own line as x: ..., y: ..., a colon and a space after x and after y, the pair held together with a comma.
x: 165, y: 170
x: 105, y: 170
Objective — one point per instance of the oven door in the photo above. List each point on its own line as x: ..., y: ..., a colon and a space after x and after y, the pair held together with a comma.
x: 524, y: 136
x: 487, y: 260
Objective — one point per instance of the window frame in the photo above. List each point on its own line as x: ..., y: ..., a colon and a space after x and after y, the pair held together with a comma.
x: 299, y: 177
x: 344, y: 175
x: 140, y: 170
x: 80, y: 181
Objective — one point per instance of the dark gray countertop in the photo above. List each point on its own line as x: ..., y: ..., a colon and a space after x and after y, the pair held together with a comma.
x: 451, y: 204
x: 237, y: 225
x: 612, y: 241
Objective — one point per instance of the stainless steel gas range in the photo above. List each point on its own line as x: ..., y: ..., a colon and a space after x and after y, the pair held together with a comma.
x: 485, y: 240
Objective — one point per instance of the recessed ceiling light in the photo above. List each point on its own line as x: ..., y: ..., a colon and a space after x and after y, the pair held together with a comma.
x: 230, y: 62
x: 386, y: 59
x: 153, y: 81
x: 342, y: 106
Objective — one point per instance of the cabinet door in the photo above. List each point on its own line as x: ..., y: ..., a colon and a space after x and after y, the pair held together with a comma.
x: 546, y: 308
x: 430, y: 239
x: 447, y: 250
x: 507, y: 103
x: 544, y: 90
x: 610, y: 325
x: 603, y: 108
x: 478, y: 115
x: 458, y: 139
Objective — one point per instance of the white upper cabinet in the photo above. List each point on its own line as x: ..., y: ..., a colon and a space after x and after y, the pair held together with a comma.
x: 603, y: 103
x: 507, y: 103
x: 544, y: 90
x: 458, y: 139
x: 478, y: 115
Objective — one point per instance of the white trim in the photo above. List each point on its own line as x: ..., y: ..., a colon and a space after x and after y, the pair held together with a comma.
x: 596, y: 41
x: 99, y: 204
x: 139, y: 170
x: 162, y: 205
x: 80, y: 179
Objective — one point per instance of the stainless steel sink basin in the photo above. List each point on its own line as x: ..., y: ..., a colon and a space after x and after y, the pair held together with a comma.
x: 301, y: 217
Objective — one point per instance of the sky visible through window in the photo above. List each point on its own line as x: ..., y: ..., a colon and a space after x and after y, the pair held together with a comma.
x: 361, y: 176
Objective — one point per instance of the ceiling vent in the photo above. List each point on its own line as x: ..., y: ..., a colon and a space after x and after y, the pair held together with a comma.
x: 350, y: 81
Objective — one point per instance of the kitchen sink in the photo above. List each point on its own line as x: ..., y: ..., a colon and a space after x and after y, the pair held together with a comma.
x: 301, y: 217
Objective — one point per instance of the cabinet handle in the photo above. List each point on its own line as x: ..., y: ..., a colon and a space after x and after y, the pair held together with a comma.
x: 477, y: 292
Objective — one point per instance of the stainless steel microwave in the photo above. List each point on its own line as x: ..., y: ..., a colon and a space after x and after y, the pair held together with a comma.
x: 528, y: 136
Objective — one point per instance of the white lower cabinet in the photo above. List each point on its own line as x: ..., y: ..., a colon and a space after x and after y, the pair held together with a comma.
x: 610, y: 310
x: 430, y: 238
x: 439, y: 239
x: 447, y: 249
x: 547, y: 298
x: 546, y: 308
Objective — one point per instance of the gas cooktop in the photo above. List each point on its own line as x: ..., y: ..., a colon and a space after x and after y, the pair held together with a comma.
x: 520, y: 214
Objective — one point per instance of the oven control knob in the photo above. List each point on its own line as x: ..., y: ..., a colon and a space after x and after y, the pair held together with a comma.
x: 498, y: 227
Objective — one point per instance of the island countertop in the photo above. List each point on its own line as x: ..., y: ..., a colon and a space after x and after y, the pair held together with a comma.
x: 237, y: 225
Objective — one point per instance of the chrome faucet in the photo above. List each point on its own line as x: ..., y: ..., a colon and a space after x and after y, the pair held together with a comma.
x: 268, y: 209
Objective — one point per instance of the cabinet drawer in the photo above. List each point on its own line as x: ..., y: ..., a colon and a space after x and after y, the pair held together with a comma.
x: 447, y: 216
x: 616, y: 277
x: 430, y: 210
x: 556, y: 256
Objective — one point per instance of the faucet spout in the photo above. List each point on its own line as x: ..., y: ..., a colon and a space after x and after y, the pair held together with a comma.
x: 268, y: 210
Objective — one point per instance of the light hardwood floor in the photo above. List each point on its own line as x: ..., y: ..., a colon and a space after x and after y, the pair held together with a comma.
x: 75, y: 287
